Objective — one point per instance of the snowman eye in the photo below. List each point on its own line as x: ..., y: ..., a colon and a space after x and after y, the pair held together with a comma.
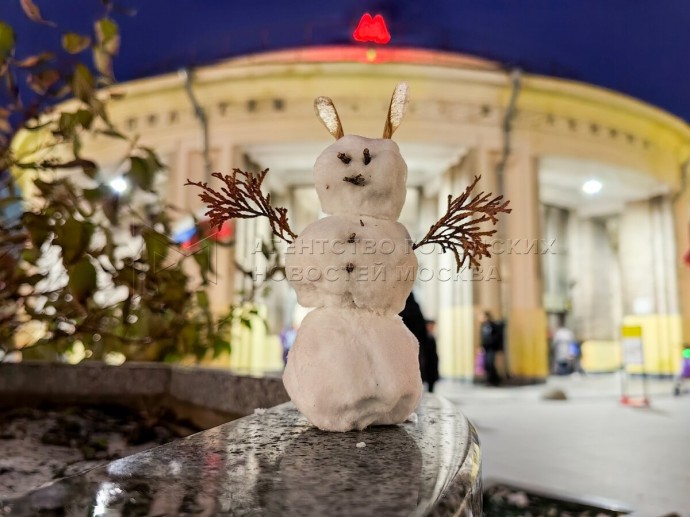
x: 367, y: 156
x: 344, y: 158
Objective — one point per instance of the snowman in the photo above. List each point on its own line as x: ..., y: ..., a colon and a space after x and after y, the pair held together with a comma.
x: 354, y: 363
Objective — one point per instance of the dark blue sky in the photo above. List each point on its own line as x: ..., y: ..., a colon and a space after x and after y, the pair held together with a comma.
x: 637, y: 47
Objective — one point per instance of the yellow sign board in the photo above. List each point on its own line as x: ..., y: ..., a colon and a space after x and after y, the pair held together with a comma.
x: 631, y: 341
x: 632, y: 331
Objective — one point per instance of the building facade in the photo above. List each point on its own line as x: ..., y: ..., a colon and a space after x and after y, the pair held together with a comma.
x: 597, y: 182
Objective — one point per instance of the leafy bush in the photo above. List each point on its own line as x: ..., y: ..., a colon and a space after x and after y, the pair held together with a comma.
x: 69, y: 273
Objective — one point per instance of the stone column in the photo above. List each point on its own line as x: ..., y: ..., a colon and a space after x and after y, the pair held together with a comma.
x: 555, y: 252
x: 190, y: 164
x: 222, y: 288
x: 255, y: 349
x: 594, y: 269
x: 527, y: 328
x: 427, y: 294
x: 456, y: 315
x: 487, y: 287
x: 681, y: 217
x: 488, y: 290
x: 650, y: 289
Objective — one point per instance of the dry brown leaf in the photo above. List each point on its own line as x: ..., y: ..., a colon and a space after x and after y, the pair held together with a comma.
x: 33, y: 12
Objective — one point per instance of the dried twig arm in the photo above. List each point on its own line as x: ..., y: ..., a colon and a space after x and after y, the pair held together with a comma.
x: 459, y: 229
x: 241, y: 198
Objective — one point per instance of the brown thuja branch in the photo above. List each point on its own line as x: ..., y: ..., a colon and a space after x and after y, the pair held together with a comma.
x: 459, y: 229
x: 241, y: 198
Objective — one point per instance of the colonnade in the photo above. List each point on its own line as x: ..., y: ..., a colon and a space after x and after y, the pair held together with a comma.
x: 625, y: 268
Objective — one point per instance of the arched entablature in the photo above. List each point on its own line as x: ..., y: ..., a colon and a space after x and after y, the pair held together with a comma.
x: 455, y: 100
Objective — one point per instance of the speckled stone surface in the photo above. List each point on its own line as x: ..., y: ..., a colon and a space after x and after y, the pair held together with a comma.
x: 43, y: 377
x: 275, y: 463
x: 220, y: 390
x: 153, y: 384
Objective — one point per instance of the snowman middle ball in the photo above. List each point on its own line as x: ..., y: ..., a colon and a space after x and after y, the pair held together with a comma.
x: 364, y: 176
x: 352, y: 262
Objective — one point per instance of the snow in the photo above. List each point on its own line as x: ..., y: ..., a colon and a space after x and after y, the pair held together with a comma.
x: 354, y: 363
x: 382, y: 269
x: 351, y: 368
x: 383, y: 193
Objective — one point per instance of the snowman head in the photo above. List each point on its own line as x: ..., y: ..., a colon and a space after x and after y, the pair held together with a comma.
x: 362, y: 176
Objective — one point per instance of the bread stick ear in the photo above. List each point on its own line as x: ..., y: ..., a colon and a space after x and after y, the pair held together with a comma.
x: 396, y: 110
x: 325, y: 110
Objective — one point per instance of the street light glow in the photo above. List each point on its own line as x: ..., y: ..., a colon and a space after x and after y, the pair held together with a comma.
x: 119, y: 184
x: 591, y: 187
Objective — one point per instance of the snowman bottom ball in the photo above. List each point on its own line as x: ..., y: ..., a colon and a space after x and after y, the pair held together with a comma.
x: 351, y: 368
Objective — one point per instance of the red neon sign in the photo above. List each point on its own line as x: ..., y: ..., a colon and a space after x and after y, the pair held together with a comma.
x: 372, y: 29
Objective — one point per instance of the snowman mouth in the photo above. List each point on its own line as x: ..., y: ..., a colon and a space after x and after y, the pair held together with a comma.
x: 357, y: 180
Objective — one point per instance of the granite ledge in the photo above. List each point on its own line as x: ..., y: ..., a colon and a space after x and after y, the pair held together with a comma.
x: 274, y: 462
x: 207, y: 396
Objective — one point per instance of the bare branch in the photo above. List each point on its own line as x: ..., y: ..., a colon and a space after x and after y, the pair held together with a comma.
x: 460, y: 230
x: 241, y: 198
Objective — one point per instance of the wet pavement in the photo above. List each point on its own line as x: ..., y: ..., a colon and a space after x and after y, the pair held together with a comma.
x: 589, y: 444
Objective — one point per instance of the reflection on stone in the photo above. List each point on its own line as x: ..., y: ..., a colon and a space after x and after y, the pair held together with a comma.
x: 320, y: 475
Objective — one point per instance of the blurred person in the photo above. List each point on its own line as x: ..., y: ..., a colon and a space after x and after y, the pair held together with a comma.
x: 428, y: 357
x: 414, y: 320
x: 492, y: 344
x: 287, y: 339
x: 479, y: 362
x: 500, y: 360
x: 684, y: 372
x: 549, y: 340
x: 289, y: 332
x: 561, y: 343
x: 576, y: 356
